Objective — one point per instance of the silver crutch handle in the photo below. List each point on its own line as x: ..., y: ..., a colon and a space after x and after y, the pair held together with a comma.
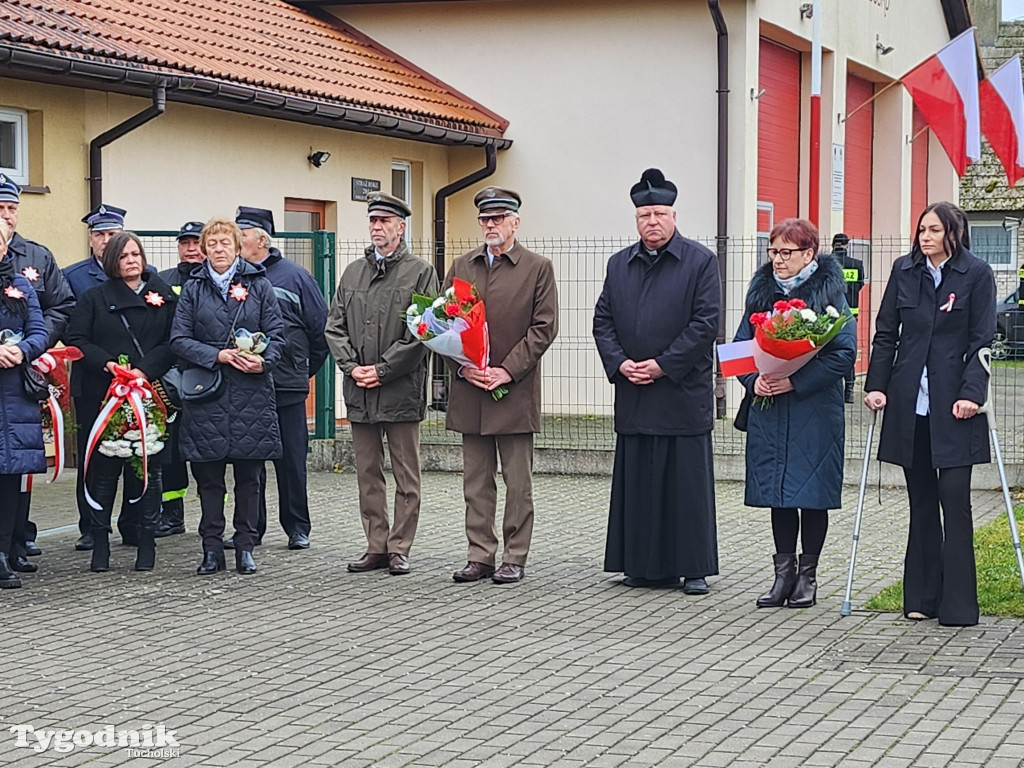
x: 988, y: 407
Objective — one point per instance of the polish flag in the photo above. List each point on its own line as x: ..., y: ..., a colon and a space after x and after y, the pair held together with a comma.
x: 945, y: 90
x: 1002, y: 117
x: 737, y: 358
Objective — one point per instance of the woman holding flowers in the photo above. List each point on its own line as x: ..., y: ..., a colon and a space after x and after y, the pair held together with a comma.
x: 937, y: 312
x: 224, y: 307
x: 796, y: 427
x: 125, y: 322
x: 23, y: 338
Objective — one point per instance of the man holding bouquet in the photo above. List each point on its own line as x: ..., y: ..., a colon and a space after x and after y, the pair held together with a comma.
x: 655, y: 325
x: 518, y: 289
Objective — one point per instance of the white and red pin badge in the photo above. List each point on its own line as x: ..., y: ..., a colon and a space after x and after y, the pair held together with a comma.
x: 155, y: 299
x: 239, y: 292
x: 14, y: 293
x: 30, y: 273
x: 948, y: 306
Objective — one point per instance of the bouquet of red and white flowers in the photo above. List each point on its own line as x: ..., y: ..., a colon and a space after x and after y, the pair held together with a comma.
x: 453, y: 325
x: 56, y: 409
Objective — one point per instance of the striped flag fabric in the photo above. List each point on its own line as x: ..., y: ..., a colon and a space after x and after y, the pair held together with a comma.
x: 737, y: 358
x: 1001, y: 97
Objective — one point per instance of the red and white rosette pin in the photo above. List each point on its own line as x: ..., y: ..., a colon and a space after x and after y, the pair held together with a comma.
x: 124, y: 388
x: 948, y: 306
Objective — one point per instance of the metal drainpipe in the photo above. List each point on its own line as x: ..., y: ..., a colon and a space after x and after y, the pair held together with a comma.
x: 96, y: 145
x: 490, y: 166
x: 722, y: 237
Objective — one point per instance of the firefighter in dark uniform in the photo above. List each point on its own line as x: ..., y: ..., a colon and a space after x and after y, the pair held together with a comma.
x: 36, y: 264
x: 853, y: 272
x: 104, y: 221
x: 172, y: 503
x: 304, y: 311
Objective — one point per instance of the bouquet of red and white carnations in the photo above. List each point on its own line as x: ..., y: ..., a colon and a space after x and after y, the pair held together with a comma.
x: 454, y: 325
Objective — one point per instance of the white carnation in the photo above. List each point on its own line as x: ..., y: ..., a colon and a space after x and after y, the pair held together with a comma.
x: 412, y: 309
x: 123, y: 453
x: 132, y: 434
x: 831, y: 311
x: 440, y: 301
x: 107, y: 449
x: 808, y: 315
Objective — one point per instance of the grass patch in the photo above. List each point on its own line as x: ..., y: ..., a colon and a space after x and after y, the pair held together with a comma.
x: 999, y: 587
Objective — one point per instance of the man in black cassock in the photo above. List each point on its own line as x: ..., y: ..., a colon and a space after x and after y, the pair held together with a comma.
x: 655, y: 326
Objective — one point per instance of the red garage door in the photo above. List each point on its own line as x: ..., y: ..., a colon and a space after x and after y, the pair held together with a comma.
x: 918, y: 171
x: 778, y: 135
x: 859, y: 129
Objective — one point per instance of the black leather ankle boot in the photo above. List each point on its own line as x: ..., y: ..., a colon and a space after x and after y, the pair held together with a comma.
x: 785, y: 578
x: 100, y: 551
x: 805, y: 593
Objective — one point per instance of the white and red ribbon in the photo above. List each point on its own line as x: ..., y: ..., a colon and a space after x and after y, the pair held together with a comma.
x: 948, y: 306
x: 124, y: 388
x: 57, y: 423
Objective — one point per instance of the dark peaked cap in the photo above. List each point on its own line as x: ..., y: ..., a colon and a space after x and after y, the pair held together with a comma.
x: 653, y: 189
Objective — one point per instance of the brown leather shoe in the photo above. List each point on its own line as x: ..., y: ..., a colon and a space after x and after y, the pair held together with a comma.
x: 369, y: 562
x: 473, y: 572
x: 398, y: 565
x: 508, y: 573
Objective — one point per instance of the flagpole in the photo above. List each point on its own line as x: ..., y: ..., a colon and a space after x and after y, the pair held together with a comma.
x: 814, y: 189
x: 859, y: 107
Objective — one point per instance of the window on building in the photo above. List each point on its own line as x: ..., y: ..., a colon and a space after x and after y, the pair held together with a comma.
x: 14, y: 144
x: 401, y: 187
x: 992, y: 243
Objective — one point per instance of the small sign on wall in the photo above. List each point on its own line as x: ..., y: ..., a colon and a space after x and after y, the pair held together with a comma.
x: 838, y: 177
x: 361, y: 188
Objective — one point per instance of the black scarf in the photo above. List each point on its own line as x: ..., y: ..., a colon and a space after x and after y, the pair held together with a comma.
x: 16, y: 307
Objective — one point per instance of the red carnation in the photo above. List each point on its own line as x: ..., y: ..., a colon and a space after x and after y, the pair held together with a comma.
x: 421, y: 330
x: 783, y: 306
x: 797, y: 304
x: 452, y: 309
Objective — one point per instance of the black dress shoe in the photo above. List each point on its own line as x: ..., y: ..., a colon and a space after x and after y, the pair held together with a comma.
x: 473, y: 572
x: 22, y: 565
x: 84, y: 543
x: 298, y: 541
x: 398, y: 565
x: 212, y: 562
x: 508, y: 573
x: 244, y: 563
x: 168, y: 528
x: 640, y: 581
x: 697, y: 586
x: 32, y: 549
x: 369, y: 562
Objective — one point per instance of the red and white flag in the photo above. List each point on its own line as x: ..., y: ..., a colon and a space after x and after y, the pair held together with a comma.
x: 1002, y: 117
x: 737, y: 358
x: 945, y: 90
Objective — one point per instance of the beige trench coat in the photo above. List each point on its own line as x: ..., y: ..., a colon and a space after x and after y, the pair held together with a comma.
x: 521, y: 300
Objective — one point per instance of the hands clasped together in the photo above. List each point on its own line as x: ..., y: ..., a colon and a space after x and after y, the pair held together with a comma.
x: 488, y: 379
x: 644, y: 372
x: 246, y: 363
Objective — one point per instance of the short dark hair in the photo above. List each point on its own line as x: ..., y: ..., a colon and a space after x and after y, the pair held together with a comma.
x: 953, y: 220
x: 800, y: 232
x: 113, y: 250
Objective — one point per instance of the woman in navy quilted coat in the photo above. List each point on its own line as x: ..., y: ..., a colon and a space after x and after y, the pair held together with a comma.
x: 21, y: 432
x: 238, y: 424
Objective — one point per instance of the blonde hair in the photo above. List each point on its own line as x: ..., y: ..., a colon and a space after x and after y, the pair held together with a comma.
x: 220, y: 227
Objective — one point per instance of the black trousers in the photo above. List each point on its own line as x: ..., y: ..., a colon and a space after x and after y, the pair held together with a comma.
x: 9, y: 487
x: 210, y: 483
x: 86, y: 411
x: 23, y: 530
x: 292, y: 500
x: 939, y: 575
x: 104, y: 473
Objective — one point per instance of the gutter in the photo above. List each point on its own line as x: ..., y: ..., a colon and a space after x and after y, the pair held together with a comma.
x: 233, y: 97
x: 722, y: 233
x: 96, y: 145
x: 441, y: 197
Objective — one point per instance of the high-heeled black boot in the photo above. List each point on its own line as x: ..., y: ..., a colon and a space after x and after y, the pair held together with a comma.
x: 100, y: 551
x: 805, y: 593
x: 145, y: 559
x: 244, y: 563
x: 8, y: 578
x: 785, y: 579
x: 212, y: 562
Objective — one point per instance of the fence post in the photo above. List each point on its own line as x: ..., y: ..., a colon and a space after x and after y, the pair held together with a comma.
x: 323, y: 265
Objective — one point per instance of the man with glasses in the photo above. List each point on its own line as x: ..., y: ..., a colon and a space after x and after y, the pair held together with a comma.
x: 518, y: 290
x: 385, y: 380
x: 655, y: 326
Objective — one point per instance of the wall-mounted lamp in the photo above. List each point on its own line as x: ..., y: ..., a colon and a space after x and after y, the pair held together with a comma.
x: 882, y: 48
x: 807, y: 11
x: 756, y: 94
x: 1011, y: 223
x: 318, y: 158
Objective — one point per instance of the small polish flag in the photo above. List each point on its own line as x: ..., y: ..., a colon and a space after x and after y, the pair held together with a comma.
x: 945, y: 90
x: 737, y: 358
x: 1002, y: 117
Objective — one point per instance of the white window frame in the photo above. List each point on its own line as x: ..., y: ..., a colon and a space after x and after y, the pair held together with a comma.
x: 998, y: 223
x: 19, y: 171
x: 406, y: 167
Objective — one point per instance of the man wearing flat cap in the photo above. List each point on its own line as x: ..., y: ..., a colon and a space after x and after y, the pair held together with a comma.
x: 304, y: 312
x: 518, y: 289
x: 655, y: 326
x: 36, y: 264
x: 385, y: 380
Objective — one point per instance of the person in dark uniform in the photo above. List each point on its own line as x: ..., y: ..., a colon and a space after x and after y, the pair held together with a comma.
x: 36, y: 264
x: 172, y: 503
x: 937, y: 312
x: 303, y: 352
x: 104, y: 221
x: 853, y: 274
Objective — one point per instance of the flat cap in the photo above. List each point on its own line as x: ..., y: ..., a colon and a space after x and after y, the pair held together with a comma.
x: 383, y: 203
x: 653, y: 189
x: 497, y: 199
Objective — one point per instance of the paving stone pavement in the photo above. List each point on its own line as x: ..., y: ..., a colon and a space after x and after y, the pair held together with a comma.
x: 307, y: 664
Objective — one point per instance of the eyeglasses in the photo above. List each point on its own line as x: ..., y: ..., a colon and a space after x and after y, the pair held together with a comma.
x: 493, y: 218
x: 783, y: 253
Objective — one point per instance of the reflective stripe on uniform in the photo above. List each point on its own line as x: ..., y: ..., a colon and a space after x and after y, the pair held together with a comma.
x: 854, y: 311
x: 172, y: 495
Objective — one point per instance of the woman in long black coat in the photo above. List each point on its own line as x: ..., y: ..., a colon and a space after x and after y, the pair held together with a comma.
x: 937, y: 312
x: 238, y: 424
x: 136, y: 295
x: 794, y: 451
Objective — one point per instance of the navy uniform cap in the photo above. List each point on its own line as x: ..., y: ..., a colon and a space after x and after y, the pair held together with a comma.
x: 190, y: 229
x: 653, y: 189
x: 248, y: 218
x: 841, y: 240
x: 382, y: 202
x: 104, y: 218
x: 497, y: 199
x: 9, y: 191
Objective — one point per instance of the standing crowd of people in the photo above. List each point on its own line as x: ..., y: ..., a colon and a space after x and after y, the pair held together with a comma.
x: 655, y: 326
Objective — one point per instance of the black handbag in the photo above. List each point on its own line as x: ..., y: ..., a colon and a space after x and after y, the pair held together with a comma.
x: 37, y: 388
x: 166, y: 387
x: 200, y: 383
x: 743, y: 413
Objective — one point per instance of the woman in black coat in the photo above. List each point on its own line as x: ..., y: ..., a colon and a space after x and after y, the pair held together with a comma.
x: 937, y: 312
x: 129, y: 315
x: 794, y: 451
x: 237, y: 424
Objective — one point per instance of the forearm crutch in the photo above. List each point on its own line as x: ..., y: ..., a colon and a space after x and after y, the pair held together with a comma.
x: 845, y: 610
x: 985, y: 356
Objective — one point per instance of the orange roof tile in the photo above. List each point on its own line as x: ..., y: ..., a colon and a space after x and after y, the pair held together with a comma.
x: 265, y: 44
